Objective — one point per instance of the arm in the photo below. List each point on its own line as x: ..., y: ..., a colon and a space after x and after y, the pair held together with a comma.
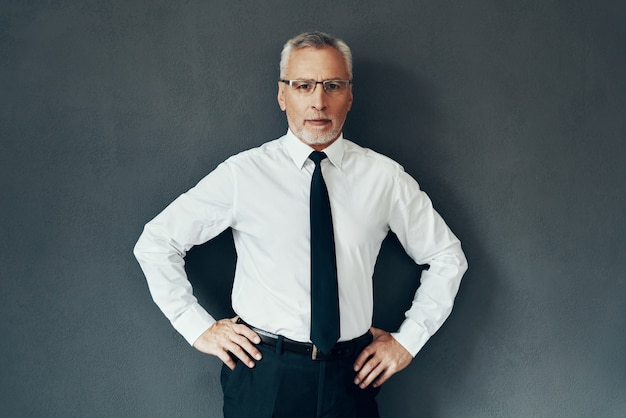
x: 193, y: 218
x: 427, y: 240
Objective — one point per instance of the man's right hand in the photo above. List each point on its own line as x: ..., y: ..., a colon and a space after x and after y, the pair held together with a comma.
x: 226, y: 337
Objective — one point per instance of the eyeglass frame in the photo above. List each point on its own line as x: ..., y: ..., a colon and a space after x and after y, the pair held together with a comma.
x: 324, y: 83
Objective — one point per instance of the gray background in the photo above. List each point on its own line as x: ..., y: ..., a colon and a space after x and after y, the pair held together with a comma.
x: 509, y: 113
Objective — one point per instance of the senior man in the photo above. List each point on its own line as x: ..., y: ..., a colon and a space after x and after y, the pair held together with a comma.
x: 308, y: 213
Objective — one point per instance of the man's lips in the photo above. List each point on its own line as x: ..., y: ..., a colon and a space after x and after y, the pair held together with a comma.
x: 317, y: 122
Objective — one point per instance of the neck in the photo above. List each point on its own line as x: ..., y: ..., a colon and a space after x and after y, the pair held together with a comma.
x: 320, y: 147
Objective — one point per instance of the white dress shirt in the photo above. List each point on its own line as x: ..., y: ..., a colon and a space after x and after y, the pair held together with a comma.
x: 263, y: 195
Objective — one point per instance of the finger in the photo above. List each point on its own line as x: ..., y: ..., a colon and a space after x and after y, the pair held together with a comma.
x: 240, y: 354
x: 363, y: 358
x: 366, y: 370
x: 377, y: 371
x: 240, y: 346
x: 226, y: 359
x: 246, y: 345
x: 376, y: 332
x: 248, y: 333
x: 382, y: 378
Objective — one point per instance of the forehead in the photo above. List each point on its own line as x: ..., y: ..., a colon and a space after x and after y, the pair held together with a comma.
x: 316, y: 64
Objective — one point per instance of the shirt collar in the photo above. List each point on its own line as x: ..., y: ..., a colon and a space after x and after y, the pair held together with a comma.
x: 299, y: 151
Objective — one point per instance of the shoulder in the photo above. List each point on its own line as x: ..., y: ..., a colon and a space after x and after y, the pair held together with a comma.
x: 266, y: 148
x: 380, y: 168
x: 374, y: 159
x: 267, y: 151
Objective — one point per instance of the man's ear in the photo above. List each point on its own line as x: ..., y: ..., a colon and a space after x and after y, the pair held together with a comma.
x: 350, y: 100
x: 281, y: 96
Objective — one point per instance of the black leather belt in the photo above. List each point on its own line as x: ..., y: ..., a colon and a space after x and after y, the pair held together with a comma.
x: 343, y: 349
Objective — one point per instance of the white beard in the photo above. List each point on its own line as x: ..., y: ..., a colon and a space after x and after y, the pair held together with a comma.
x: 320, y: 139
x: 310, y: 137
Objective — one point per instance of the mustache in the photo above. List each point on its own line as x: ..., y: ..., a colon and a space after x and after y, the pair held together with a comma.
x: 318, y: 116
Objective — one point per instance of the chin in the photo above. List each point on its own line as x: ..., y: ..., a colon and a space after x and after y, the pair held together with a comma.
x: 318, y: 139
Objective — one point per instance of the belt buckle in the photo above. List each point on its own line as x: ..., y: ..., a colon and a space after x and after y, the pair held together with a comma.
x: 314, y: 352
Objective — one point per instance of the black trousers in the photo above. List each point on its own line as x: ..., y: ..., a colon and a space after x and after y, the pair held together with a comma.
x: 290, y: 385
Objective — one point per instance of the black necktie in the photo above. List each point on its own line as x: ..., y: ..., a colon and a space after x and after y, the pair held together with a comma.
x: 324, y: 293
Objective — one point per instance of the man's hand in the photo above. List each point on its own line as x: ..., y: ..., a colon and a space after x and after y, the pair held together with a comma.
x: 380, y: 360
x: 226, y: 336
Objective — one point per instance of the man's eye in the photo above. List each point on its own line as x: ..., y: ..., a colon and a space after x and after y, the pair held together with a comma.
x: 333, y: 86
x: 303, y: 86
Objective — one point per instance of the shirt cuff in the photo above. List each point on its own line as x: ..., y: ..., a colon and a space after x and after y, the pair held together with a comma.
x: 193, y: 322
x: 411, y: 336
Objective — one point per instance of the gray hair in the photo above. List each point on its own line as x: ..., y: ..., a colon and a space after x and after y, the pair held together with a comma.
x: 315, y: 40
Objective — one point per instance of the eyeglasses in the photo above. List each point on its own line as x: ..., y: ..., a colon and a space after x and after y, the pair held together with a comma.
x: 307, y: 87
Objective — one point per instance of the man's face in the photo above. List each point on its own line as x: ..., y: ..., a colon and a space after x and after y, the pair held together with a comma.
x: 316, y: 119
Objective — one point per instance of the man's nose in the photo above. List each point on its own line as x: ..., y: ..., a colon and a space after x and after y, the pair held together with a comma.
x: 319, y: 98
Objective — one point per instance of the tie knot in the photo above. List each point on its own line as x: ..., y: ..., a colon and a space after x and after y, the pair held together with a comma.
x: 317, y: 156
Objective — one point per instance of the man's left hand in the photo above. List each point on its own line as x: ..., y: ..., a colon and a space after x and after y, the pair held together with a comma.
x: 380, y: 360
